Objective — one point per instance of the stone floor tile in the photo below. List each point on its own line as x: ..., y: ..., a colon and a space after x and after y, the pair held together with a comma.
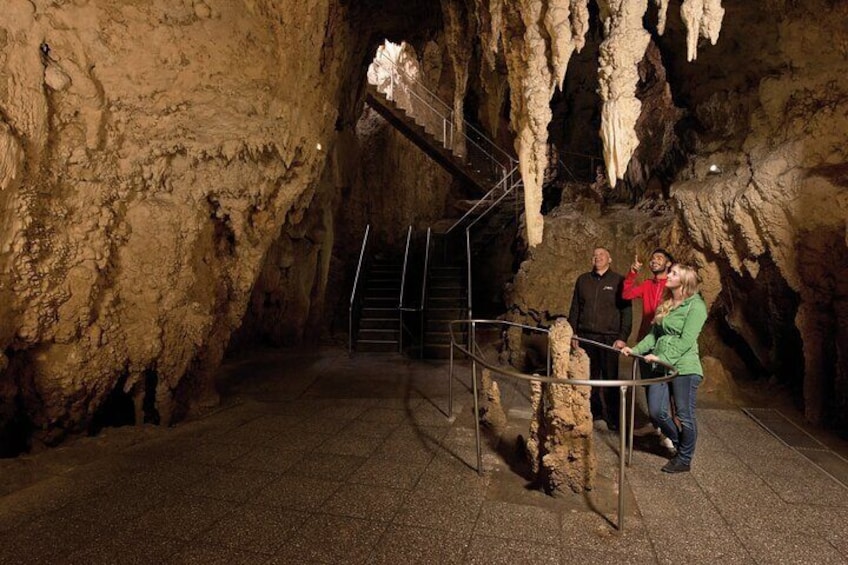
x: 446, y: 476
x: 518, y: 522
x: 299, y: 493
x: 697, y: 539
x: 327, y: 466
x: 768, y: 546
x: 333, y: 539
x: 590, y: 532
x: 200, y: 554
x: 454, y: 514
x: 47, y: 539
x: 383, y: 415
x: 181, y: 517
x: 136, y: 548
x: 418, y: 546
x: 346, y: 443
x: 254, y: 528
x: 232, y: 484
x: 486, y: 550
x: 271, y: 459
x: 375, y: 503
x: 166, y: 476
x: 394, y: 473
x: 117, y: 505
x: 215, y: 454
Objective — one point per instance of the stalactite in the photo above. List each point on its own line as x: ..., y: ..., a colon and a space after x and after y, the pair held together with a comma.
x: 459, y: 50
x: 620, y: 53
x: 537, y: 60
x: 662, y: 8
x: 702, y: 19
x: 558, y: 25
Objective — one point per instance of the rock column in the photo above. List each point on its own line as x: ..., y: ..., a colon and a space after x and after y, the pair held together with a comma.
x: 560, y: 445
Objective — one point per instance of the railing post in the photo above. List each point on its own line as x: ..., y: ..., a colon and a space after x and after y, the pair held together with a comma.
x: 450, y: 379
x: 622, y: 429
x: 402, y: 285
x: 476, y: 402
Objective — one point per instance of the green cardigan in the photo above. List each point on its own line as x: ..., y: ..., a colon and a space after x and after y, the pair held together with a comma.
x: 675, y: 338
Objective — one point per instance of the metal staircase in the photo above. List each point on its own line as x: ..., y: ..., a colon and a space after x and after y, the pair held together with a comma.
x: 379, y: 321
x: 455, y: 144
x: 447, y: 299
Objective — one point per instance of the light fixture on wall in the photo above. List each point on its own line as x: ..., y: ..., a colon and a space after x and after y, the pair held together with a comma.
x: 318, y: 146
x: 714, y: 169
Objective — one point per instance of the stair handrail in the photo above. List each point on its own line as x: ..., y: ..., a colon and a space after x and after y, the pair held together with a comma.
x: 402, y: 285
x: 468, y: 257
x: 505, y: 181
x: 447, y: 117
x: 424, y: 283
x: 353, y: 292
x: 494, y: 205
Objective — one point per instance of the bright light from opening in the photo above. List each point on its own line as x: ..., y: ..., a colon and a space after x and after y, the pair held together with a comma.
x: 318, y: 146
x: 714, y: 169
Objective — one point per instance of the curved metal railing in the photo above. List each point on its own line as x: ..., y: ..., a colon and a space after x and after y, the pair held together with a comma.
x: 625, y: 431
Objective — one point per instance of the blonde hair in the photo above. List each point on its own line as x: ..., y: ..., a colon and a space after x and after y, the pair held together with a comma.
x: 689, y: 285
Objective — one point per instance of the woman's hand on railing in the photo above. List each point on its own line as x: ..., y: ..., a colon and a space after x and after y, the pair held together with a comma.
x: 626, y: 351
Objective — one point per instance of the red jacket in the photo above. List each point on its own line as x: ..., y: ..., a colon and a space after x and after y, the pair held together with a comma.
x: 650, y: 291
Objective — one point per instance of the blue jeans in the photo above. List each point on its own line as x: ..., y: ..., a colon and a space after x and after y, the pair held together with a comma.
x: 684, y: 389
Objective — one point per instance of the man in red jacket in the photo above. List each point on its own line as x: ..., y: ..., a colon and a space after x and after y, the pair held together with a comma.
x: 650, y: 292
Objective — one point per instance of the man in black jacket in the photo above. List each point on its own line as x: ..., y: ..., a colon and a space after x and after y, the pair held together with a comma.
x: 598, y: 312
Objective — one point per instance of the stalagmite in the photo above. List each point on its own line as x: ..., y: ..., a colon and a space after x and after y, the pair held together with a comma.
x: 560, y: 444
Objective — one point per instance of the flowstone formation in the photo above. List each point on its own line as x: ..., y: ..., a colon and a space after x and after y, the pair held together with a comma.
x: 560, y: 445
x: 149, y: 155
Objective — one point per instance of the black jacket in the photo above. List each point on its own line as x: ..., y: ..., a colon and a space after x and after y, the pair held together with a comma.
x: 598, y: 308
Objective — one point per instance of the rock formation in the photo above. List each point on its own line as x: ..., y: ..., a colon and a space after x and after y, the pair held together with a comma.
x: 560, y: 444
x: 149, y: 156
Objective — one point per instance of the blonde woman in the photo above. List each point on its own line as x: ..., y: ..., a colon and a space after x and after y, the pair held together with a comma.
x: 673, y: 339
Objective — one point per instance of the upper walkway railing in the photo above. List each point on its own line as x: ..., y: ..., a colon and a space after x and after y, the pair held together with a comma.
x: 475, y: 353
x: 438, y: 118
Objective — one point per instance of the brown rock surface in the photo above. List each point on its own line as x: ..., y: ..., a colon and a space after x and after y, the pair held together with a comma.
x: 560, y: 443
x: 149, y: 155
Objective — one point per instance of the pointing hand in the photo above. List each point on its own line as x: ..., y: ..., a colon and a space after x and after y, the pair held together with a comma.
x: 637, y: 265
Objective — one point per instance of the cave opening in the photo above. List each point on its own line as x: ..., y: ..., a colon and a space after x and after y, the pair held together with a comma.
x: 116, y: 411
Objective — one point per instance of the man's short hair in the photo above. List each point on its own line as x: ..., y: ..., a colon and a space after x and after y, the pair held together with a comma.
x: 662, y: 251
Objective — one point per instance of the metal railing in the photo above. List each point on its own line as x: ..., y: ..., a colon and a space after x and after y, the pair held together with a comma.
x: 491, y: 199
x: 402, y: 285
x: 354, y: 295
x: 625, y: 430
x: 439, y: 120
x: 426, y: 272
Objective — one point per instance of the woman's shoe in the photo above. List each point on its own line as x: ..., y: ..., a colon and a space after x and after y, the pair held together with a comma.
x: 676, y: 466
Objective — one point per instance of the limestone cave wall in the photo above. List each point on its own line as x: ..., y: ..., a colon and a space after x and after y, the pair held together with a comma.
x: 150, y: 153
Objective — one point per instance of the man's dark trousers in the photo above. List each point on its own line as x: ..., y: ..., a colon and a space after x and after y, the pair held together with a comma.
x: 603, y: 364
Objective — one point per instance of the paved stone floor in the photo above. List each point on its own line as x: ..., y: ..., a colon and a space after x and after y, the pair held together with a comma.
x: 315, y: 457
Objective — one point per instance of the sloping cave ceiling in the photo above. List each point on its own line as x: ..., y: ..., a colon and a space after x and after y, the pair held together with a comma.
x: 180, y: 178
